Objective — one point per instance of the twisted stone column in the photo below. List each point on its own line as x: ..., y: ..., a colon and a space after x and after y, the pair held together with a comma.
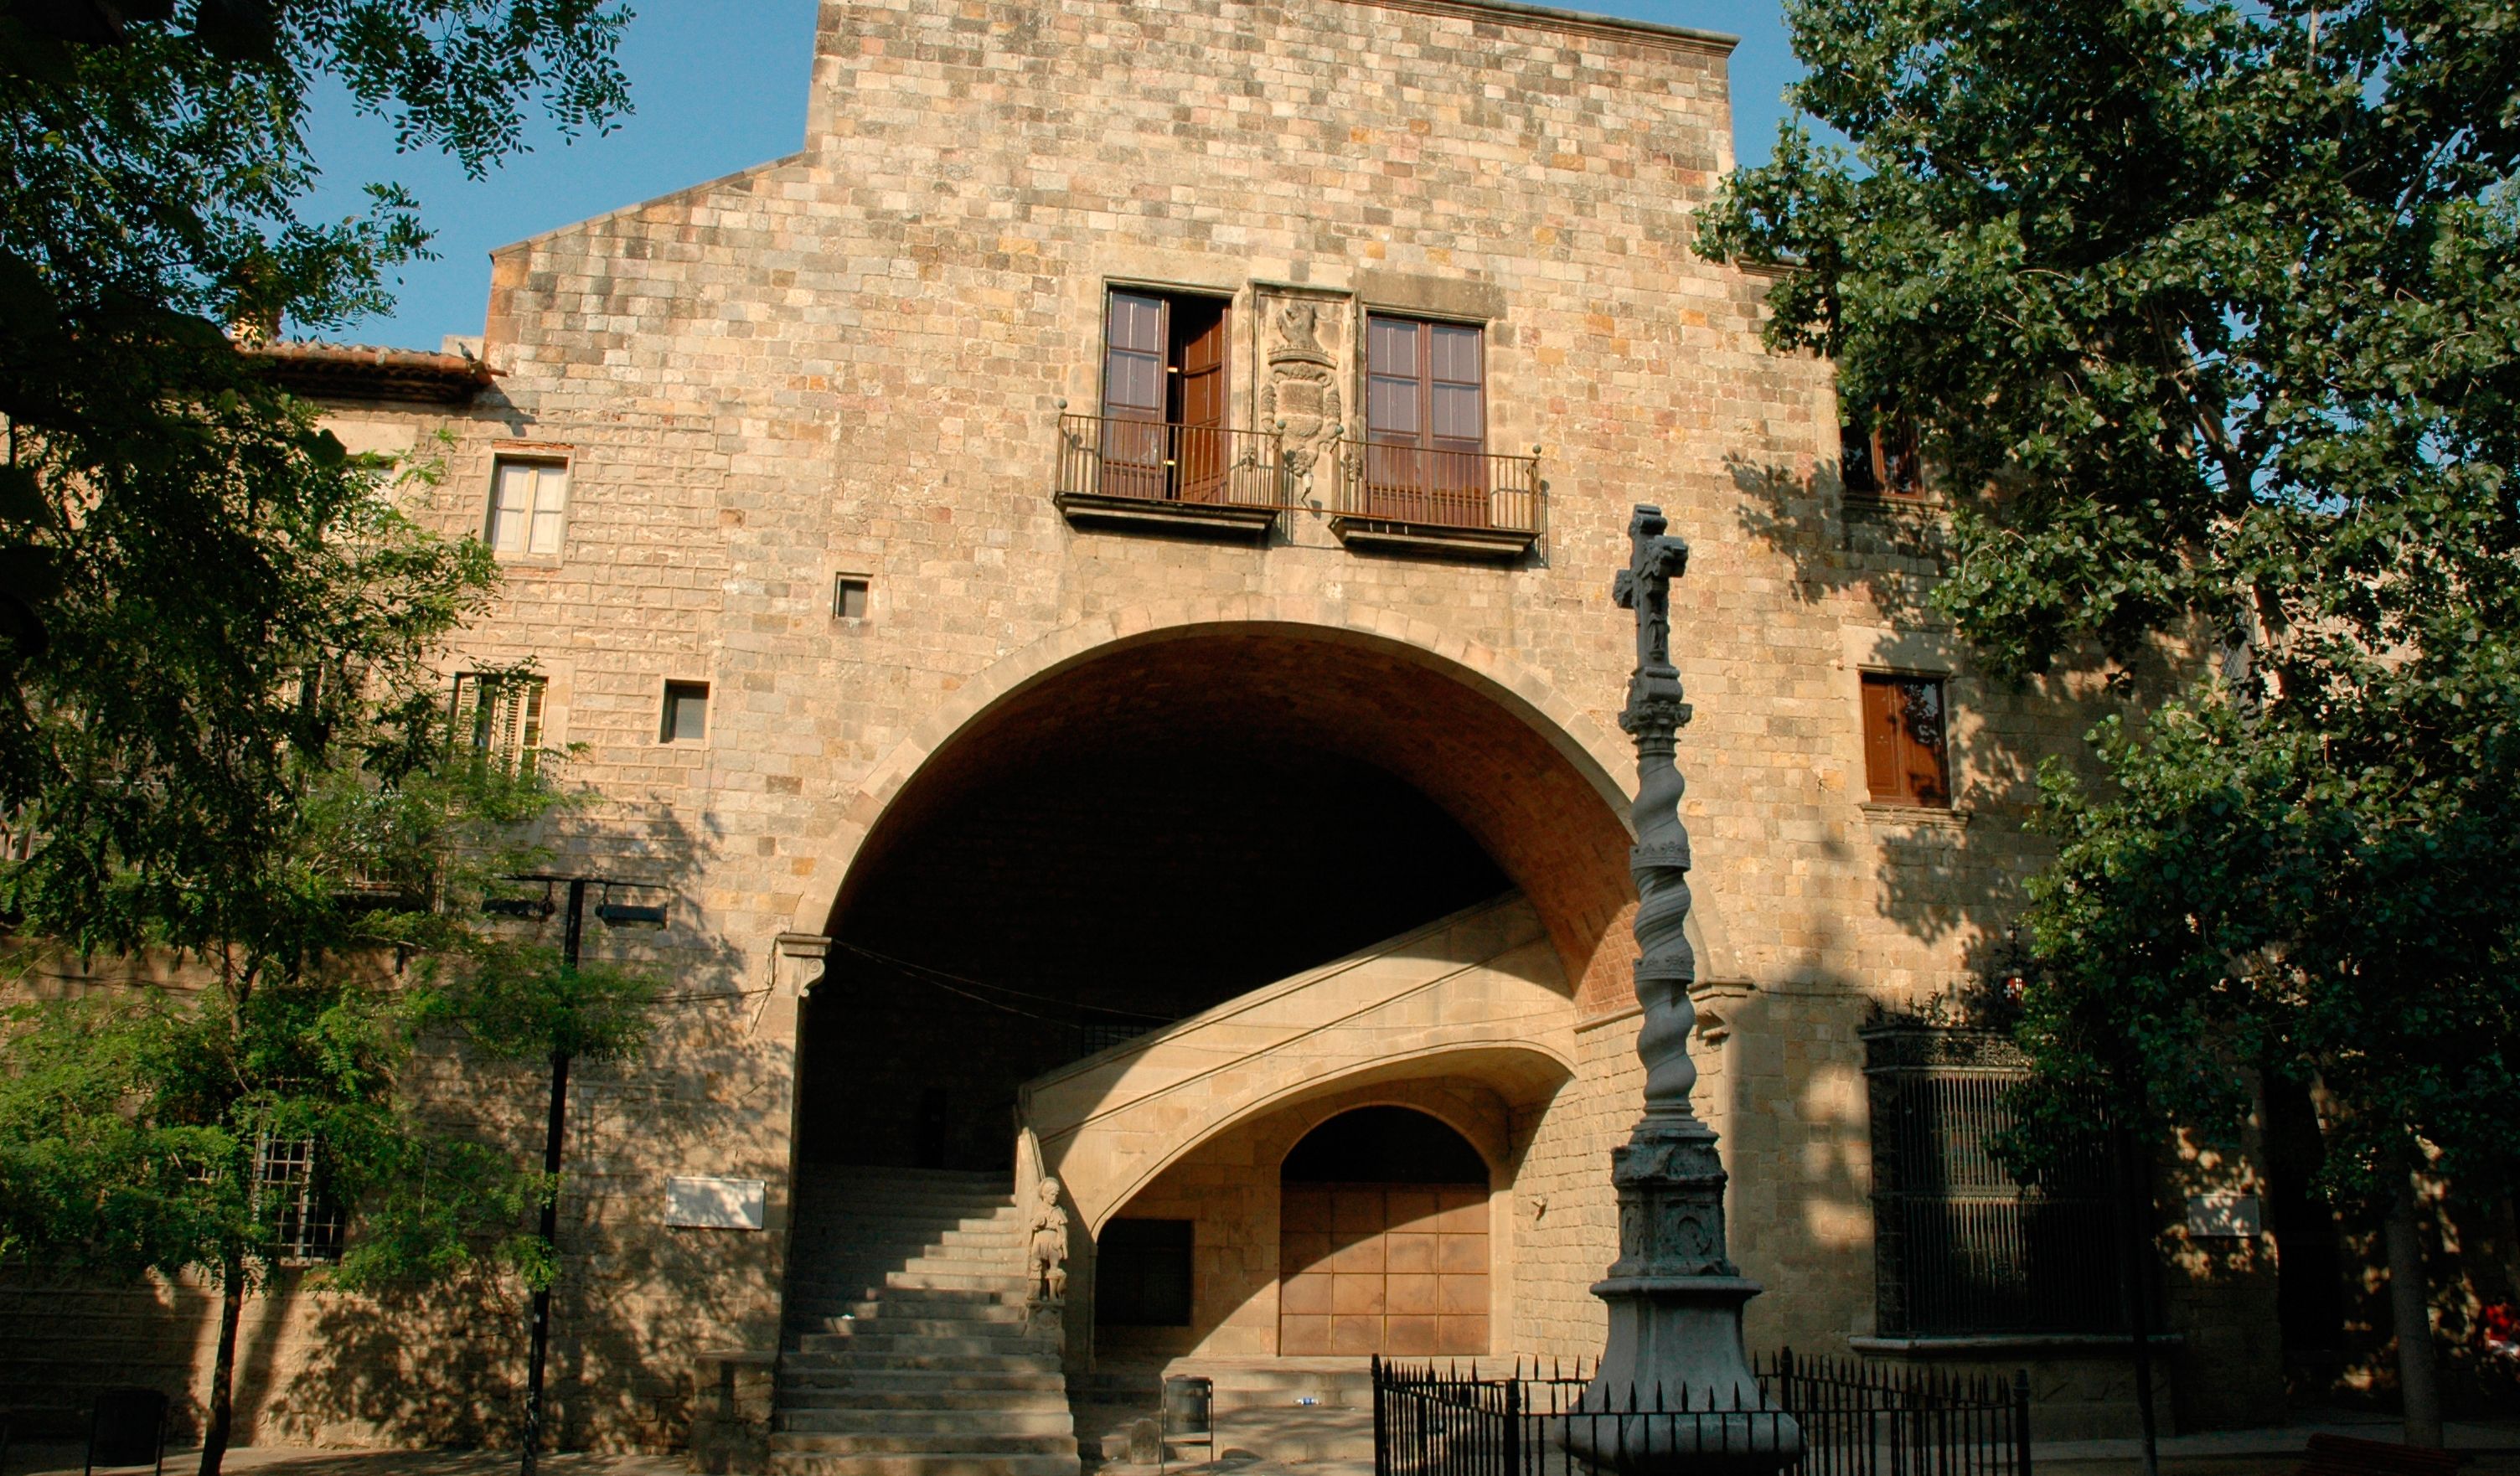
x: 1675, y: 1301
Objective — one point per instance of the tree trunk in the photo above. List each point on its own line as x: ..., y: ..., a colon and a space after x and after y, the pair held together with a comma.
x: 222, y: 1421
x: 2411, y: 1308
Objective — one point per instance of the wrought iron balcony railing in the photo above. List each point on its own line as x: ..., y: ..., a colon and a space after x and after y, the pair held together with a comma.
x: 1412, y: 494
x: 1128, y: 469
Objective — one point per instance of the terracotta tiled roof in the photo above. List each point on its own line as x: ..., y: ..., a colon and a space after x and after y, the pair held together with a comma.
x: 366, y: 372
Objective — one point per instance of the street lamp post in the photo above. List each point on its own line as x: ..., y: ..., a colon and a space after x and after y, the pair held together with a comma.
x: 572, y: 935
x: 1673, y: 1353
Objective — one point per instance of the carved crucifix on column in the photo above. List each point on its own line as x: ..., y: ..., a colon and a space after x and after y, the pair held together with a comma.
x: 1675, y: 1299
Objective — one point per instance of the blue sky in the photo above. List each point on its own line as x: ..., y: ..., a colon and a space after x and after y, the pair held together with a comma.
x: 713, y: 97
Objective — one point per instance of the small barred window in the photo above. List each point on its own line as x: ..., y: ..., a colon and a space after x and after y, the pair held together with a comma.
x: 288, y: 1194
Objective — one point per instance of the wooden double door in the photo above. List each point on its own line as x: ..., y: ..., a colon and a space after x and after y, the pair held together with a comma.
x: 1399, y: 1268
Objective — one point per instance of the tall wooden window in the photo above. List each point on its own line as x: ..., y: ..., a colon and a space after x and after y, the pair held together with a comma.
x: 1878, y: 459
x: 1164, y: 397
x: 1425, y: 421
x: 499, y: 715
x: 1906, y: 739
x: 528, y: 507
x: 1960, y: 1247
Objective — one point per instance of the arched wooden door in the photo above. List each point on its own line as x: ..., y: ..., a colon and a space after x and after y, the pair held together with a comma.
x: 1382, y: 1239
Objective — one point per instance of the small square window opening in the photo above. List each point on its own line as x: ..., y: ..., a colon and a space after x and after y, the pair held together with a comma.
x: 529, y: 509
x: 850, y: 594
x: 1905, y: 740
x: 686, y: 719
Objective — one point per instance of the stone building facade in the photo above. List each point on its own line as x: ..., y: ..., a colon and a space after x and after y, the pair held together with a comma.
x: 1051, y: 775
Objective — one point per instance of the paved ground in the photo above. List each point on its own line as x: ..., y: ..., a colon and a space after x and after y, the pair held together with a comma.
x: 2489, y: 1450
x: 50, y: 1458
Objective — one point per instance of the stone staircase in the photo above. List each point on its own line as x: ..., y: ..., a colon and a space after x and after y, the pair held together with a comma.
x: 908, y: 1351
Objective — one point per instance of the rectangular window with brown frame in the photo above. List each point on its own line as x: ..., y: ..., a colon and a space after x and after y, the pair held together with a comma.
x: 1880, y: 460
x: 1426, y: 422
x: 1906, y: 757
x: 1164, y: 436
x: 499, y: 715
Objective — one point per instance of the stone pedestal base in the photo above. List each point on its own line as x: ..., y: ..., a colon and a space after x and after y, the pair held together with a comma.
x: 1675, y: 1393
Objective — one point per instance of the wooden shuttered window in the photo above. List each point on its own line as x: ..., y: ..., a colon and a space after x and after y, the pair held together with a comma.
x: 500, y: 717
x: 1425, y: 421
x: 1906, y: 742
x: 1164, y: 397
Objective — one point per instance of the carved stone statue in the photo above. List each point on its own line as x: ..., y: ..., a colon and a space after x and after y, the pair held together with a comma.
x: 1050, y: 1244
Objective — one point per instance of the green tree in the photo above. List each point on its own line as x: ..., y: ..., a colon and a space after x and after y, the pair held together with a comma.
x: 221, y: 738
x: 157, y: 489
x: 138, y: 1126
x: 2209, y: 315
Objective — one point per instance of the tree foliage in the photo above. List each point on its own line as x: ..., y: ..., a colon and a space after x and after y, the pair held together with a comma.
x: 224, y: 744
x: 173, y: 527
x: 2209, y: 314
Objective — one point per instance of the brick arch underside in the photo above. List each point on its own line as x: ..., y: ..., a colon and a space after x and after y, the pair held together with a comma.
x: 1547, y: 822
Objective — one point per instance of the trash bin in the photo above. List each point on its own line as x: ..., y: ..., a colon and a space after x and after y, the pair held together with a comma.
x: 127, y: 1427
x: 1189, y: 1414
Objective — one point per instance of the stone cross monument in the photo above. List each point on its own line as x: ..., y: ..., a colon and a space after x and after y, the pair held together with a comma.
x: 1675, y: 1300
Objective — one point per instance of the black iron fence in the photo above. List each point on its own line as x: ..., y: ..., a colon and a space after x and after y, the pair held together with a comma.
x: 1850, y: 1419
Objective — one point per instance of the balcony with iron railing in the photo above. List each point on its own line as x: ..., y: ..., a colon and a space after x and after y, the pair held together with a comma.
x: 1117, y: 470
x: 1412, y: 497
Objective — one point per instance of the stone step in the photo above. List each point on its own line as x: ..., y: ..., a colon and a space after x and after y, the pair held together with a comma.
x: 1003, y: 1331
x: 805, y: 1360
x: 899, y: 1308
x: 998, y: 1265
x: 850, y: 1173
x: 917, y: 1445
x: 942, y: 1427
x: 1045, y: 1396
x: 842, y: 1200
x: 902, y: 1219
x: 888, y: 1344
x: 1310, y: 1397
x: 868, y: 1298
x: 1299, y: 1435
x: 875, y: 1236
x: 936, y: 1384
x: 998, y: 1282
x: 948, y: 1463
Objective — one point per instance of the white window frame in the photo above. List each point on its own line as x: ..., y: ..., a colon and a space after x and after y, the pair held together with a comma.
x: 528, y: 514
